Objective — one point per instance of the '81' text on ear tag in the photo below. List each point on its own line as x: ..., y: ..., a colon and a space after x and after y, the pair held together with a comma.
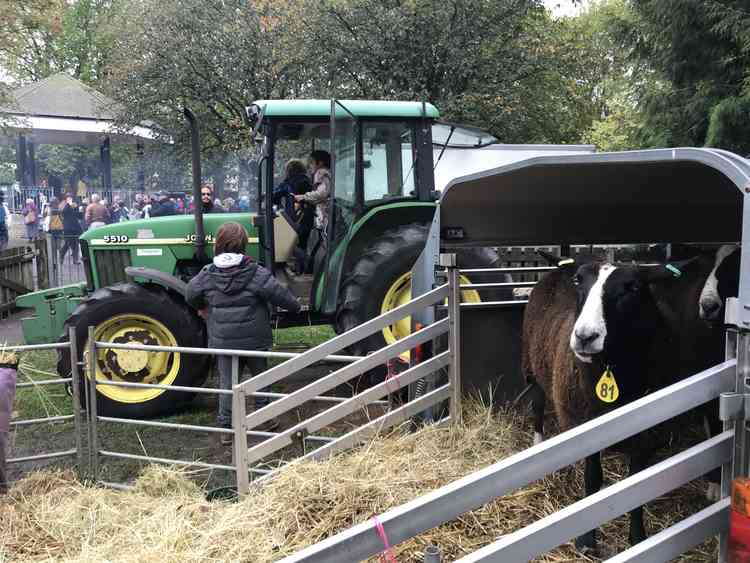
x: 606, y: 387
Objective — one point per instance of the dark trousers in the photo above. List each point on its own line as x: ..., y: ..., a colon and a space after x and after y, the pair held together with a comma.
x: 318, y: 245
x: 224, y: 365
x: 71, y: 243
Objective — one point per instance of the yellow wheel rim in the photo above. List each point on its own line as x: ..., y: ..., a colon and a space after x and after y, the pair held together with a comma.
x: 400, y: 293
x: 134, y: 366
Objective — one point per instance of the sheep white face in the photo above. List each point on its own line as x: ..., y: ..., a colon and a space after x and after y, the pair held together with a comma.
x: 721, y: 283
x: 590, y: 329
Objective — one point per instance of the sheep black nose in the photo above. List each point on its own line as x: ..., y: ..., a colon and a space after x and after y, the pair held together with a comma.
x: 710, y: 306
x: 586, y: 337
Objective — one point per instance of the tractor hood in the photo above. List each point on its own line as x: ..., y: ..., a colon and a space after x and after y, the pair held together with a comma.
x: 175, y: 229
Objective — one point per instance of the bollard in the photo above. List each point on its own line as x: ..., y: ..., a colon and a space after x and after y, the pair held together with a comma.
x: 432, y: 554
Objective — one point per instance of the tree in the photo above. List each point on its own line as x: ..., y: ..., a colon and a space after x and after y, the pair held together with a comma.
x: 28, y: 35
x: 211, y: 56
x: 42, y: 37
x: 699, y: 53
x: 728, y: 126
x: 611, y: 77
x: 500, y: 65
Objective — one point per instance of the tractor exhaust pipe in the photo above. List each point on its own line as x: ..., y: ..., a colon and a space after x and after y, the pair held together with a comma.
x: 195, y: 146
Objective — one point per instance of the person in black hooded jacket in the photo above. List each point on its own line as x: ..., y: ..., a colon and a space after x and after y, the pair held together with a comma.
x: 233, y: 294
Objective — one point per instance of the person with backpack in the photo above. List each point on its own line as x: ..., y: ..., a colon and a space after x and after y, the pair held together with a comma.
x: 52, y: 221
x: 30, y: 219
x: 71, y: 228
x: 233, y: 294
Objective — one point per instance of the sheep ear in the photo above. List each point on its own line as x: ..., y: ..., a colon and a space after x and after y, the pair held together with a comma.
x: 666, y: 272
x: 558, y: 261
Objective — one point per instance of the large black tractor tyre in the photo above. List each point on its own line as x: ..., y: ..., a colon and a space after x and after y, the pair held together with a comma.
x: 378, y: 270
x: 142, y: 314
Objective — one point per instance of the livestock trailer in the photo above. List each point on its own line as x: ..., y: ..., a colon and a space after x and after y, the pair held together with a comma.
x: 682, y: 195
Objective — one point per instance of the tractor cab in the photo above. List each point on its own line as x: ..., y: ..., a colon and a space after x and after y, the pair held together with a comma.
x: 381, y: 156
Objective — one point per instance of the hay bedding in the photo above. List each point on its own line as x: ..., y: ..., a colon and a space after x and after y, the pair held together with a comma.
x: 51, y: 517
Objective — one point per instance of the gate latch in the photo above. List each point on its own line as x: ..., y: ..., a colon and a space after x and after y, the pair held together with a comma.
x: 734, y: 406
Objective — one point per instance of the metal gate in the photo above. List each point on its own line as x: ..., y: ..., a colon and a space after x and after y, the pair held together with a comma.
x: 451, y: 501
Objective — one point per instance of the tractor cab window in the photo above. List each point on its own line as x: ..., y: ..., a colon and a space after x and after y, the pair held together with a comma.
x: 298, y: 140
x: 388, y: 160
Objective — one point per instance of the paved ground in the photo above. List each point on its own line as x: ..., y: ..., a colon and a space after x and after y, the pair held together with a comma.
x: 10, y: 329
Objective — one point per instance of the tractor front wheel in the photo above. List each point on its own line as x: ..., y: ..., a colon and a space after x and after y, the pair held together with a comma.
x: 138, y: 314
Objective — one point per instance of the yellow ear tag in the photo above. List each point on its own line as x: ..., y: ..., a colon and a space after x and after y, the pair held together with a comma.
x: 606, y: 388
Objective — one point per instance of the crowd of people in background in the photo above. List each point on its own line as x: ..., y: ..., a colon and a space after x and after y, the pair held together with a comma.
x: 302, y: 196
x: 67, y: 217
x: 94, y: 211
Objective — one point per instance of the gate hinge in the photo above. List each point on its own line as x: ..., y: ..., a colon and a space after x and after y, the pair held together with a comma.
x: 734, y: 406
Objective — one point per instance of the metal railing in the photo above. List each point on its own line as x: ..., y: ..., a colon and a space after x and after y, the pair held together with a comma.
x: 474, y: 490
x: 95, y: 418
x: 448, y: 360
x: 76, y: 417
x: 449, y: 391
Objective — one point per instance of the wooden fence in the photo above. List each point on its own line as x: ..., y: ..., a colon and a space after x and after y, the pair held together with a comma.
x: 22, y: 270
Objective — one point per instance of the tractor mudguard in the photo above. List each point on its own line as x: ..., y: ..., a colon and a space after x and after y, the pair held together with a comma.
x: 51, y: 308
x: 162, y: 278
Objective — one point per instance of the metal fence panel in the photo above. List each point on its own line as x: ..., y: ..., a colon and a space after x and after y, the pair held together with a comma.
x: 472, y: 491
x: 349, y: 406
x: 348, y: 338
x: 683, y: 536
x: 605, y: 505
x: 339, y: 376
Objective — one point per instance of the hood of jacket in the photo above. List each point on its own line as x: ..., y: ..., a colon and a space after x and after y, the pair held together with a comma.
x: 233, y: 279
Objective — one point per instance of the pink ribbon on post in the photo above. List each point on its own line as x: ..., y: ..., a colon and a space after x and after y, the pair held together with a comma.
x: 392, y: 383
x: 387, y: 554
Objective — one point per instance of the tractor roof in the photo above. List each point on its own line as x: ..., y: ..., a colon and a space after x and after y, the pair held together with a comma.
x: 359, y: 108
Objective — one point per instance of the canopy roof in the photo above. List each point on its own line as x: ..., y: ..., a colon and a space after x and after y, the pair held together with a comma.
x: 664, y: 195
x: 63, y: 110
x: 358, y: 108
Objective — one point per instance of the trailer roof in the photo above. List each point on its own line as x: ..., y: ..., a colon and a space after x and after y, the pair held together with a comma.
x: 663, y: 195
x: 359, y: 108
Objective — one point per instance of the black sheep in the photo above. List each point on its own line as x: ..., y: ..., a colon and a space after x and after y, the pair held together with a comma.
x: 594, y: 339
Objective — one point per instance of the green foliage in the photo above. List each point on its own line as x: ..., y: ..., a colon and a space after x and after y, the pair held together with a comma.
x: 693, y: 55
x: 41, y: 37
x: 211, y: 56
x: 504, y: 65
x: 728, y: 127
x: 28, y: 37
x: 617, y: 131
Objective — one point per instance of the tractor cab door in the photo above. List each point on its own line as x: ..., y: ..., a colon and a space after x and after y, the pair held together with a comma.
x: 343, y: 204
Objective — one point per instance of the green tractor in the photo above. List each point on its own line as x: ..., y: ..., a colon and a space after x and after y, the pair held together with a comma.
x: 383, y: 200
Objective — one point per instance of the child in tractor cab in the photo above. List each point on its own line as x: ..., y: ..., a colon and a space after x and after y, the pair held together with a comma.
x: 233, y: 294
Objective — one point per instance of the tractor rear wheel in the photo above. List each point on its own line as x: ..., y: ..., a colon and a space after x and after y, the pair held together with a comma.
x: 138, y: 314
x: 380, y: 280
